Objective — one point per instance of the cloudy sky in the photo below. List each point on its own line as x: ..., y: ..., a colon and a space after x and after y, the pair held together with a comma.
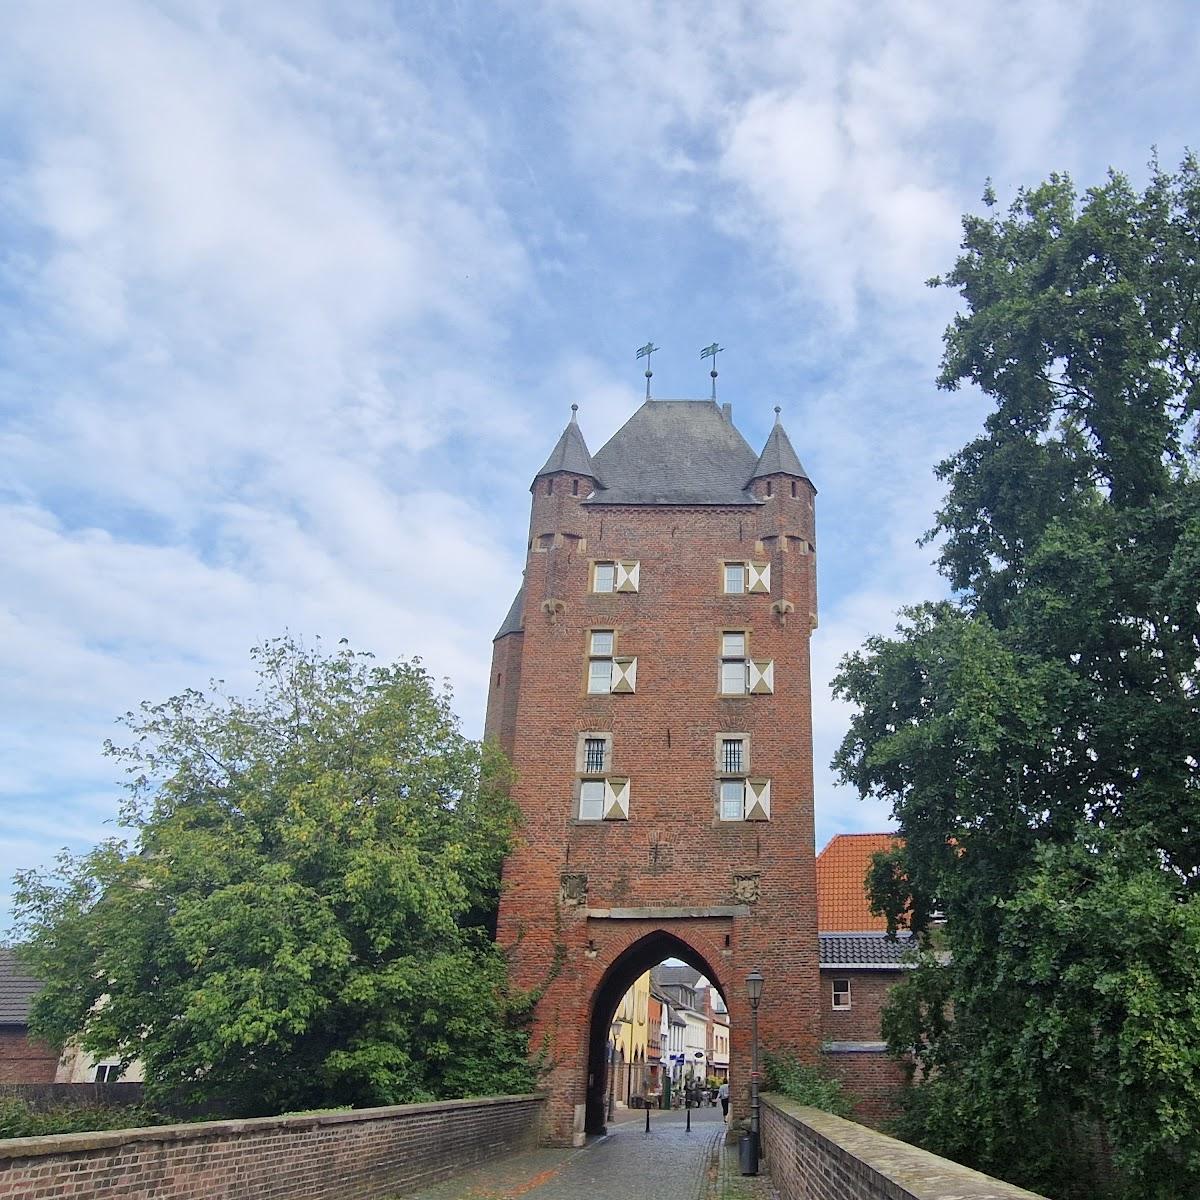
x: 295, y: 297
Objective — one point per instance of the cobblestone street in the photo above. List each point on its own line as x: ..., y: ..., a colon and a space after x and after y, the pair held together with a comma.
x: 666, y: 1164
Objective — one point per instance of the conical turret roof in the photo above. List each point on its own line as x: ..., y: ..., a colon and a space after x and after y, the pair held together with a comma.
x: 570, y: 453
x: 778, y: 457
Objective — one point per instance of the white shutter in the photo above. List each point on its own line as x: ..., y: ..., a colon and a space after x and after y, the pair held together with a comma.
x: 758, y: 577
x: 616, y: 799
x: 758, y: 799
x: 762, y: 675
x: 624, y: 675
x: 628, y: 574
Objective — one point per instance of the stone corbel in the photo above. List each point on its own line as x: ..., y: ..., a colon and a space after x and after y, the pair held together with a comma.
x: 552, y: 608
x: 781, y: 608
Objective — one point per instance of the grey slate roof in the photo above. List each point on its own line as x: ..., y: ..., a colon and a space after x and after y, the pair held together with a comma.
x: 675, y: 452
x: 515, y: 621
x: 570, y: 454
x: 17, y: 989
x: 778, y: 457
x: 666, y: 975
x: 865, y: 950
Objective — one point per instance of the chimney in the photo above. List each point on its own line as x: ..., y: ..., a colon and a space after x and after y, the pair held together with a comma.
x: 727, y: 412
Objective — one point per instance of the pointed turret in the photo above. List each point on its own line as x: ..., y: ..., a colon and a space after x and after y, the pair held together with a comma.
x: 570, y: 454
x: 778, y: 457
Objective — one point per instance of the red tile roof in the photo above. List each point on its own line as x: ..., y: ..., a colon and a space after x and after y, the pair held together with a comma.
x: 842, y: 904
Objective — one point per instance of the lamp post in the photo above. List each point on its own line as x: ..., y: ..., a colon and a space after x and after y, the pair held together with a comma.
x: 754, y: 988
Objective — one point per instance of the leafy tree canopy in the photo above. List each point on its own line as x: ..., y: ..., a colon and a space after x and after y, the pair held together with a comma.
x: 1038, y: 734
x: 298, y: 914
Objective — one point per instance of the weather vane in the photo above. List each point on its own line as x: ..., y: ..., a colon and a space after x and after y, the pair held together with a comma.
x: 712, y: 352
x: 645, y: 352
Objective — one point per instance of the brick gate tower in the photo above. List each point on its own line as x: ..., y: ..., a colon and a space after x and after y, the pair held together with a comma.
x: 651, y: 686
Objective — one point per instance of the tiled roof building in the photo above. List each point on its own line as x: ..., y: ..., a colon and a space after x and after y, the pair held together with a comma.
x: 842, y: 903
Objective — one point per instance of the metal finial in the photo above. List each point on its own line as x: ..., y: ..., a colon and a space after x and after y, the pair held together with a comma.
x: 645, y: 352
x: 574, y: 410
x: 712, y: 352
x: 777, y: 412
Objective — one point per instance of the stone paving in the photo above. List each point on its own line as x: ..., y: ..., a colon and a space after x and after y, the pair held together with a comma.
x: 666, y: 1164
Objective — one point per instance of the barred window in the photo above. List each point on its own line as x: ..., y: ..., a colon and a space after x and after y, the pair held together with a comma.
x: 732, y: 756
x: 593, y: 756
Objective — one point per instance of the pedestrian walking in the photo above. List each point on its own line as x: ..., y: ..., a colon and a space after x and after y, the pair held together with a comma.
x: 723, y: 1093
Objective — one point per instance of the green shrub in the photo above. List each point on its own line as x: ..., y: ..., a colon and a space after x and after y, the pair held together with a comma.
x: 18, y: 1118
x: 813, y: 1086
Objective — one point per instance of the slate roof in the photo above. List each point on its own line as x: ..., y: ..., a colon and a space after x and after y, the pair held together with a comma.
x: 17, y: 989
x: 842, y: 904
x: 865, y: 950
x: 515, y: 621
x: 570, y: 454
x: 778, y: 457
x: 665, y: 975
x: 675, y: 452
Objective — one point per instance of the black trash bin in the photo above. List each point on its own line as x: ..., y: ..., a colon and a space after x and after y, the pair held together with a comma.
x: 748, y: 1154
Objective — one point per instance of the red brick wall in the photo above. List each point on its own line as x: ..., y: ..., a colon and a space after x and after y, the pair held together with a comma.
x: 861, y: 1021
x: 335, y: 1156
x: 873, y: 1079
x: 812, y: 1155
x: 672, y: 851
x: 24, y: 1059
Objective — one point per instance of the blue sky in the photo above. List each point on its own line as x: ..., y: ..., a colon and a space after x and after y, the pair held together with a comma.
x: 295, y: 298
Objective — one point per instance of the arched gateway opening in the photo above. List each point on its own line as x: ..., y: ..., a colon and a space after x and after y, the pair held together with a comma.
x: 638, y: 958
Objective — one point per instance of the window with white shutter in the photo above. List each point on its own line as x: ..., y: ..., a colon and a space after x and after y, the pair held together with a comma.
x: 738, y: 578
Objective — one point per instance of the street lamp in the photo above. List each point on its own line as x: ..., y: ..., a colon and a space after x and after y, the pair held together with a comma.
x: 754, y: 989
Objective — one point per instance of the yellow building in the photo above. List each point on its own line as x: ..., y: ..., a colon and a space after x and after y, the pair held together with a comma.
x: 631, y: 1029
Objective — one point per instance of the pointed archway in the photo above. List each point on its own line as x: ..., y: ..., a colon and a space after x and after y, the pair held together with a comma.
x: 635, y: 960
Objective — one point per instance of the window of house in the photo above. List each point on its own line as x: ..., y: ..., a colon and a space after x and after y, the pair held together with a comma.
x: 742, y: 577
x: 741, y: 674
x: 617, y: 576
x: 733, y: 755
x: 108, y: 1072
x: 609, y: 672
x: 841, y: 993
x: 733, y: 799
x: 605, y: 798
x: 600, y: 648
x: 594, y: 755
x: 745, y: 799
x: 733, y: 663
x: 591, y: 800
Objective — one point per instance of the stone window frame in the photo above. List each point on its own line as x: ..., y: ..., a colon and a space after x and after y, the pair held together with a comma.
x: 622, y: 674
x: 755, y: 577
x: 758, y: 675
x: 625, y: 576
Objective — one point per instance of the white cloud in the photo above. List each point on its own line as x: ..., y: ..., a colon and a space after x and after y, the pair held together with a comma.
x: 295, y: 298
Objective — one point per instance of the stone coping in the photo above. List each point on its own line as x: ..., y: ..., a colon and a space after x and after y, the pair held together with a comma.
x: 70, y: 1143
x: 914, y: 1172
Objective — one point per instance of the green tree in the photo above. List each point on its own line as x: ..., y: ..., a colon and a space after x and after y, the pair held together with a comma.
x: 298, y: 916
x: 1038, y: 734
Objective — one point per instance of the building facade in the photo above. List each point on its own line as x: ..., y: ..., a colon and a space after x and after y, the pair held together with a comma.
x: 651, y: 687
x: 860, y: 964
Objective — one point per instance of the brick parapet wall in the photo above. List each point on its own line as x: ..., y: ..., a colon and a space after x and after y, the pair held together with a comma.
x: 355, y: 1155
x: 813, y: 1155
